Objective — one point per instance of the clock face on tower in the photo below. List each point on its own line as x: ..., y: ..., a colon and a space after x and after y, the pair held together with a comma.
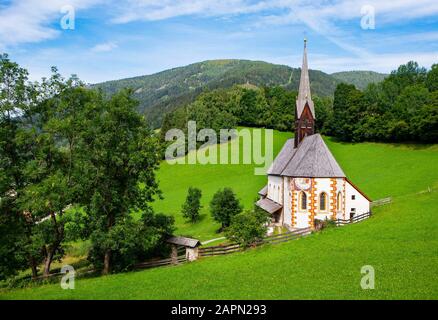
x: 302, y: 183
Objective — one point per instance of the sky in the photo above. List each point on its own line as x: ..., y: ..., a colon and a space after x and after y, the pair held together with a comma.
x: 104, y: 40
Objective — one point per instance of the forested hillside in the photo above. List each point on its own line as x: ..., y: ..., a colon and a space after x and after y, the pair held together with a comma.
x: 360, y: 79
x: 163, y: 92
x: 403, y: 107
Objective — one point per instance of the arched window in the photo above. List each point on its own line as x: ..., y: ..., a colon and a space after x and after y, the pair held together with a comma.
x: 303, y: 201
x: 323, y: 201
x: 339, y: 201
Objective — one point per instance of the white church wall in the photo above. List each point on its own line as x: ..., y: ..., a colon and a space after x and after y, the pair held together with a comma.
x: 275, y: 188
x: 322, y: 185
x: 302, y: 216
x: 340, y: 206
x: 355, y: 202
x: 287, y: 203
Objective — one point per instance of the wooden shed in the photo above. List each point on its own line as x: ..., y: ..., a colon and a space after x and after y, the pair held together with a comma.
x: 190, y: 245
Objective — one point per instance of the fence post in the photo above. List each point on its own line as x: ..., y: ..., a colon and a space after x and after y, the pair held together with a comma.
x: 174, y: 254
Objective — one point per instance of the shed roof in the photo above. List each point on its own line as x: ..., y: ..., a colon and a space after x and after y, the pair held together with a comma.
x: 264, y: 191
x: 183, y: 241
x: 312, y: 159
x: 269, y: 205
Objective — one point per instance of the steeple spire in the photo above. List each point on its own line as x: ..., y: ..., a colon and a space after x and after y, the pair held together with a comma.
x: 305, y: 110
x: 304, y: 89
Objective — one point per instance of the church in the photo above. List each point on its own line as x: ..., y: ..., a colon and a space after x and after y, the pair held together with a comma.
x: 305, y: 182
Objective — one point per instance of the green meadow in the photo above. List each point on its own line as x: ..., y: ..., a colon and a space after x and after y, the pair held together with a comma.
x: 400, y: 240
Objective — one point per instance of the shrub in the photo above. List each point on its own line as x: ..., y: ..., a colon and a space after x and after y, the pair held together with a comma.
x: 248, y: 227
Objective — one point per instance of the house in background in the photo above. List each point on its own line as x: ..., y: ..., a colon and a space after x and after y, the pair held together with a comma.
x: 305, y: 182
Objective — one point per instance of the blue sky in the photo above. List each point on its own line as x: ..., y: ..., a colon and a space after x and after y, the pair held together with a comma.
x: 116, y: 39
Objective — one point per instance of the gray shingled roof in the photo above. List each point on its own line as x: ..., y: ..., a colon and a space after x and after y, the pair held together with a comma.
x: 312, y: 158
x: 283, y: 158
x: 269, y: 205
x: 183, y: 241
x: 304, y: 95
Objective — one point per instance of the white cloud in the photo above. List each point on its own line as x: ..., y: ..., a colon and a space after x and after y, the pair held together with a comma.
x: 104, y: 47
x: 321, y: 16
x: 159, y: 10
x: 322, y: 9
x: 28, y: 21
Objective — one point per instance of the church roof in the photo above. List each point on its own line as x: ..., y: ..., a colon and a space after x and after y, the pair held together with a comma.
x: 264, y: 191
x: 312, y: 159
x: 283, y: 158
x: 268, y: 205
x: 304, y: 95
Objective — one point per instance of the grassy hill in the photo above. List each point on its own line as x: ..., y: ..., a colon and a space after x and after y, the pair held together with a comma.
x: 359, y: 78
x: 164, y: 91
x: 399, y: 241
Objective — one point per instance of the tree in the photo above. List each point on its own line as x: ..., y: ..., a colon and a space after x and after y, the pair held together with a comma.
x: 347, y: 109
x: 15, y: 224
x: 51, y: 134
x: 131, y: 241
x: 432, y: 78
x: 122, y: 156
x: 224, y: 206
x: 248, y: 227
x: 192, y: 205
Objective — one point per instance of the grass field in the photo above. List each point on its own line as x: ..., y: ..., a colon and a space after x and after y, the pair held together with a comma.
x: 400, y: 240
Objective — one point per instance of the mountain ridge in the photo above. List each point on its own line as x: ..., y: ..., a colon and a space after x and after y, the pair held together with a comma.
x: 164, y: 91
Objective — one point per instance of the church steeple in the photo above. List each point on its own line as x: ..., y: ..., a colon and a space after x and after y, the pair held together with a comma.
x: 305, y: 110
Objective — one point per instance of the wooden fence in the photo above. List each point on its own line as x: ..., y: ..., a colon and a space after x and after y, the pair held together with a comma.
x: 363, y: 216
x: 180, y: 258
x: 162, y: 262
x: 381, y: 202
x: 234, y: 247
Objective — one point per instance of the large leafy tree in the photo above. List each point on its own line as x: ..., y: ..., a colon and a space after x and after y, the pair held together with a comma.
x: 192, y: 205
x: 123, y: 154
x: 51, y: 134
x: 224, y: 206
x: 15, y: 224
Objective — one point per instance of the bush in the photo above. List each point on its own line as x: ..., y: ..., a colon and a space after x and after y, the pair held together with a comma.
x: 224, y: 206
x: 248, y: 227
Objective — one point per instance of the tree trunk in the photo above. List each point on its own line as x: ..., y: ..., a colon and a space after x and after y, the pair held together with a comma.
x: 33, y: 267
x: 106, y: 262
x: 107, y: 257
x: 48, y: 262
